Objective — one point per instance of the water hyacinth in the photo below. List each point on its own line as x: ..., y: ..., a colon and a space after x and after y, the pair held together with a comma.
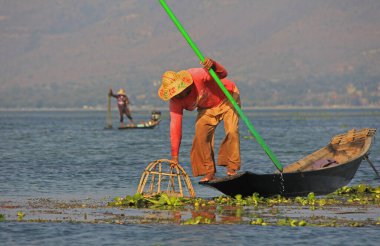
x: 136, y: 200
x: 165, y: 201
x: 139, y: 201
x: 291, y: 222
x: 356, y: 194
x: 20, y: 215
x: 259, y: 221
x: 259, y: 210
x: 197, y: 220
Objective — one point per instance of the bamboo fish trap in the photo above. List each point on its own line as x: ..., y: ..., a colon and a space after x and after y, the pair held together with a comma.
x: 160, y: 177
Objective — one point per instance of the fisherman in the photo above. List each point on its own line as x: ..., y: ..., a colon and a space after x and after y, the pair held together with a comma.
x: 195, y: 88
x: 122, y: 104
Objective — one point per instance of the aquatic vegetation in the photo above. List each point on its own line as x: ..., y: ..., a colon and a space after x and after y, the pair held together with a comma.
x: 358, y: 189
x: 165, y: 201
x: 360, y: 194
x: 291, y: 222
x: 356, y: 206
x: 356, y: 224
x: 262, y: 211
x: 136, y: 200
x: 2, y: 217
x: 161, y: 200
x: 20, y: 215
x: 258, y: 221
x: 197, y: 220
x: 318, y: 221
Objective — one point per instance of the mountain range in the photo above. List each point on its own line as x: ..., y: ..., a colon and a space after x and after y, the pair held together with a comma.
x: 68, y: 53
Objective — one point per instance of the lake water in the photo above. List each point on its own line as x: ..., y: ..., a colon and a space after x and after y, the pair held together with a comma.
x: 69, y: 155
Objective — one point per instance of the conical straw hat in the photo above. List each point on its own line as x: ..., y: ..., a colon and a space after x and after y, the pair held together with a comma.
x: 121, y: 92
x: 174, y: 83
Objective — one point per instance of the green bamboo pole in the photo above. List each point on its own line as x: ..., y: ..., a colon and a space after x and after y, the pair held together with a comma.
x: 257, y: 136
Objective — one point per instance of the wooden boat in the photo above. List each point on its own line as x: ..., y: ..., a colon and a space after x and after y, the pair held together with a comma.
x: 153, y: 122
x: 321, y: 172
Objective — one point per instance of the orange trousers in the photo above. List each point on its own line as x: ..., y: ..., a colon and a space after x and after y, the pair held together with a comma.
x: 202, y: 152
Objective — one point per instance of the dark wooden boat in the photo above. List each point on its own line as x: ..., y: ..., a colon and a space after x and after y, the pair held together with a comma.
x: 321, y: 172
x: 153, y: 122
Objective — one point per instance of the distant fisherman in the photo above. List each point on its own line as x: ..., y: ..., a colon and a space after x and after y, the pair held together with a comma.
x: 195, y: 88
x: 122, y: 104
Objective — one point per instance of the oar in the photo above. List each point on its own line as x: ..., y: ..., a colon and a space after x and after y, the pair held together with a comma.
x: 371, y: 164
x: 257, y: 136
x: 109, y: 115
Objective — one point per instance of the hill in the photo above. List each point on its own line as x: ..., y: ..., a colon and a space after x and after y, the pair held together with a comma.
x: 56, y: 53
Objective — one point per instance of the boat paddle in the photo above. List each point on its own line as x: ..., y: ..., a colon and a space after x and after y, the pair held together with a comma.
x: 252, y: 130
x: 371, y: 164
x: 109, y: 114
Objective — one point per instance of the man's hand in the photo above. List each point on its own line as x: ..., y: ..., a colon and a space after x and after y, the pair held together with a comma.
x: 207, y: 64
x: 174, y: 161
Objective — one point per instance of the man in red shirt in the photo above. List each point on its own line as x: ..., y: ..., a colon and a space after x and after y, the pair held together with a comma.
x: 195, y: 88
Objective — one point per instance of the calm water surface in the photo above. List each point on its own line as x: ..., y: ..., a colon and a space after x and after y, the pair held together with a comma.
x: 69, y: 155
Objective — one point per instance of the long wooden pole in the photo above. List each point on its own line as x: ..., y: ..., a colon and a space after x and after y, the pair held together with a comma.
x: 257, y: 136
x: 109, y: 114
x: 373, y: 166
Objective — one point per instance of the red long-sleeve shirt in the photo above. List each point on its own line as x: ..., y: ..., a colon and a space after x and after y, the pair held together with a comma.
x: 205, y: 93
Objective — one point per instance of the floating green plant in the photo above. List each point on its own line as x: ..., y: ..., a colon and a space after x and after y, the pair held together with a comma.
x: 280, y: 222
x: 20, y: 215
x: 166, y: 201
x: 161, y: 200
x: 291, y: 222
x: 356, y: 224
x: 136, y: 200
x: 358, y: 189
x: 2, y: 217
x: 257, y: 210
x: 258, y: 221
x: 197, y: 220
x: 360, y: 194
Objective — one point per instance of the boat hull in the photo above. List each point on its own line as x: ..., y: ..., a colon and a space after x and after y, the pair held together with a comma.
x: 143, y: 125
x: 136, y: 127
x: 321, y: 182
x: 152, y: 123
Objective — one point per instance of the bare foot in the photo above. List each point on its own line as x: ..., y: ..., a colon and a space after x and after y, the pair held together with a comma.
x: 231, y: 172
x: 208, y: 177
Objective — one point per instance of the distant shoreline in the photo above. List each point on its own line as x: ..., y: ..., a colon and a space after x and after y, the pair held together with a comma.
x: 151, y: 108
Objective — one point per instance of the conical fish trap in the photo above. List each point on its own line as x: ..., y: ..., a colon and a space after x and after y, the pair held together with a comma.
x: 160, y: 177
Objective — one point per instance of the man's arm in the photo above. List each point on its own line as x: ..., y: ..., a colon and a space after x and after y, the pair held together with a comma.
x: 204, y: 75
x: 217, y: 67
x: 110, y: 93
x: 176, y: 114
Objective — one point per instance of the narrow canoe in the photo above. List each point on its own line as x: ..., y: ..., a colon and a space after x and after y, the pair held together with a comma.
x: 321, y: 172
x: 153, y: 122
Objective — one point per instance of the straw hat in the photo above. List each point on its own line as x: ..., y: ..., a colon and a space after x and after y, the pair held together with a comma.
x: 174, y: 83
x: 121, y: 92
